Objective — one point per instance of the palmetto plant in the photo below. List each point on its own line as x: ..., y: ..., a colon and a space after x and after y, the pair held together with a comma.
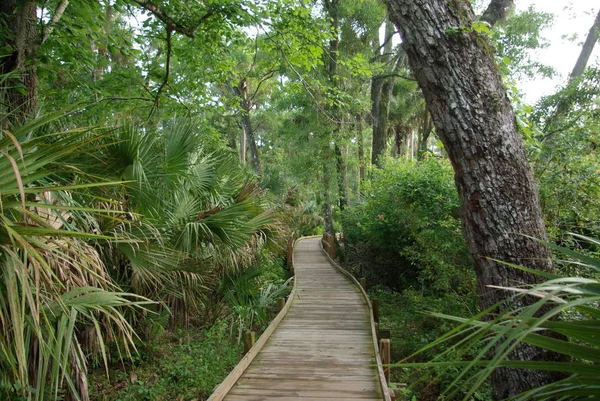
x: 200, y: 216
x: 52, y: 279
x: 564, y: 319
x: 89, y: 212
x: 249, y: 302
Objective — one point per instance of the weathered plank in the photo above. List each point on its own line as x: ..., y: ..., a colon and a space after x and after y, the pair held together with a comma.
x: 322, y: 349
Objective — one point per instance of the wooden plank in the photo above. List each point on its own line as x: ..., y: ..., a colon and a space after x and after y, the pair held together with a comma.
x: 311, y: 385
x: 308, y: 394
x: 223, y: 388
x: 382, y: 379
x: 322, y: 348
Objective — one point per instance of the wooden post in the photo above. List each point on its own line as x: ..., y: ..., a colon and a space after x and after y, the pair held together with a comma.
x: 375, y: 304
x: 290, y: 253
x: 385, y: 354
x: 280, y: 303
x: 249, y: 340
x: 363, y: 283
x: 331, y: 240
x: 384, y: 333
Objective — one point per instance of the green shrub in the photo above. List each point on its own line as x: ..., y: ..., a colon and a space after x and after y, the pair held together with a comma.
x: 406, y: 236
x: 406, y: 232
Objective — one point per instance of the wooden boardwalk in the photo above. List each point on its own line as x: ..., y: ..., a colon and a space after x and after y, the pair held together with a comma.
x: 323, y: 348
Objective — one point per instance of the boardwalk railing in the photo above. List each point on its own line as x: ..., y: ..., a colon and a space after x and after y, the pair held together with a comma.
x: 250, y: 385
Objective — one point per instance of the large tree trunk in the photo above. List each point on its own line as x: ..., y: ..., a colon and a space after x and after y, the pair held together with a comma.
x: 19, y: 18
x: 586, y: 50
x: 474, y: 119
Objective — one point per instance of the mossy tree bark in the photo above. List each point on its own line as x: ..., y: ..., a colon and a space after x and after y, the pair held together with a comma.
x: 18, y: 19
x: 472, y: 115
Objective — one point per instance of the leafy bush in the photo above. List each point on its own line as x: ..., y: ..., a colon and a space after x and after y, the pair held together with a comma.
x: 412, y: 328
x: 564, y: 155
x: 406, y: 232
x: 406, y: 235
x: 252, y: 295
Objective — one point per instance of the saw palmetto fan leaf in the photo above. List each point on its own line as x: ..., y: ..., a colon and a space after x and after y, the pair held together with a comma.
x: 52, y: 279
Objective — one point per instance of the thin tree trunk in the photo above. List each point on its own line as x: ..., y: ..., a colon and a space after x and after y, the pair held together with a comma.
x: 247, y: 138
x: 425, y: 133
x: 586, y: 50
x: 243, y: 146
x: 378, y: 145
x: 327, y: 215
x: 475, y: 121
x: 331, y: 6
x: 249, y: 134
x: 555, y: 120
x: 341, y: 171
x: 381, y: 92
x: 399, y: 138
x: 361, y: 150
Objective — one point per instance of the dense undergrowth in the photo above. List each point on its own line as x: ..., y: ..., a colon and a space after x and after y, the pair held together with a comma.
x: 114, y: 239
x: 184, y: 365
x: 187, y: 363
x: 405, y: 237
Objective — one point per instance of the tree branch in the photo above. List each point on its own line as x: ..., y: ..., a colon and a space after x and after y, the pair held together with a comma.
x: 384, y: 76
x: 170, y: 23
x: 47, y: 30
x: 265, y: 77
x: 167, y: 72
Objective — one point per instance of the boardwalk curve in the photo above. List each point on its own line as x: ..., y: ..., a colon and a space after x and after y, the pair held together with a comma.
x: 322, y: 349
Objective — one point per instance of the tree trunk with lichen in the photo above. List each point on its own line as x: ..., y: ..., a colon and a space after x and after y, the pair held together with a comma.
x: 18, y: 19
x: 472, y: 115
